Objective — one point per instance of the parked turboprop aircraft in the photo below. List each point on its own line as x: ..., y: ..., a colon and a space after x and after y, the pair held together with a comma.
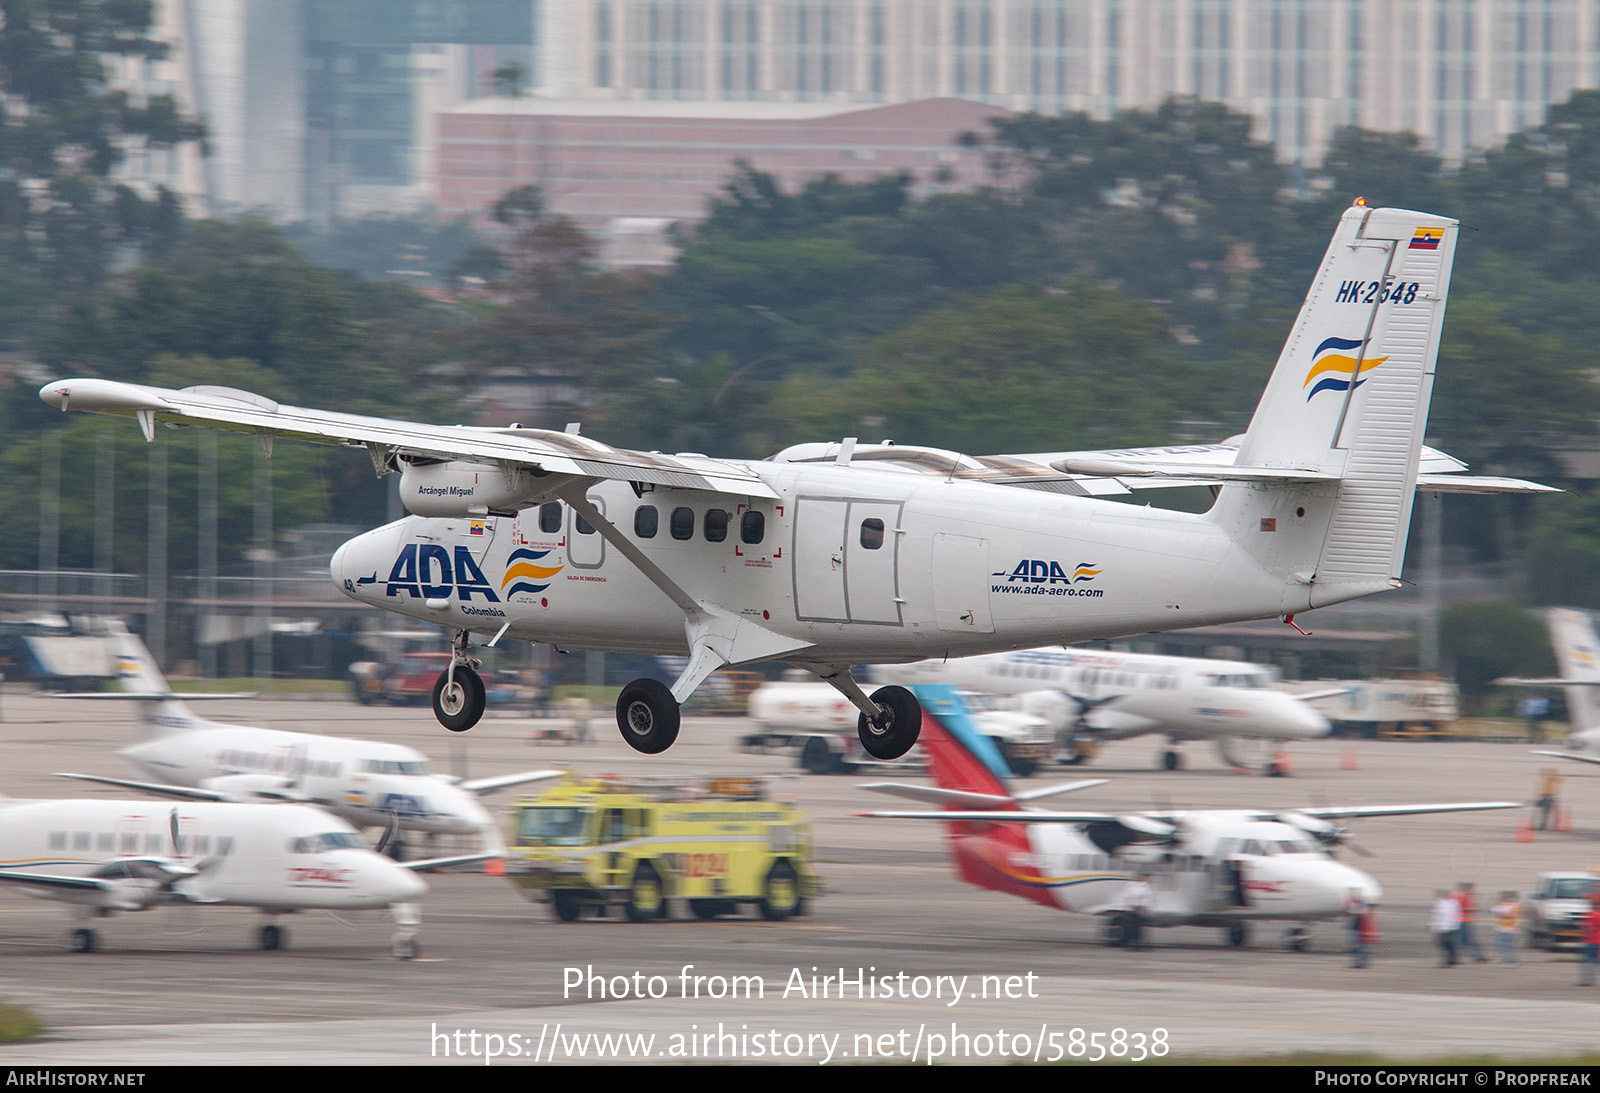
x: 365, y: 782
x: 1226, y: 868
x: 107, y: 856
x: 1089, y: 696
x: 832, y: 555
x: 1577, y: 652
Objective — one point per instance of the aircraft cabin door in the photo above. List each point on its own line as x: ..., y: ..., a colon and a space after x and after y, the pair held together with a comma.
x: 961, y: 583
x: 871, y: 562
x: 819, y: 553
x: 586, y: 547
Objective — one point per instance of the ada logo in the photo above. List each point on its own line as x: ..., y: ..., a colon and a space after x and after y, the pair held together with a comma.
x: 1038, y: 577
x: 425, y: 571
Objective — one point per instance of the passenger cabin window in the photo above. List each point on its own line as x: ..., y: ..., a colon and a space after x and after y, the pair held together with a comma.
x: 550, y: 517
x: 683, y: 523
x: 753, y: 527
x: 646, y: 521
x: 583, y: 526
x: 716, y: 525
x: 872, y: 533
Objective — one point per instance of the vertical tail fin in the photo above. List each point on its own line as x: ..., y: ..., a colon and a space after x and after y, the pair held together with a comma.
x: 1577, y: 658
x: 1348, y: 402
x: 140, y: 678
x: 959, y: 756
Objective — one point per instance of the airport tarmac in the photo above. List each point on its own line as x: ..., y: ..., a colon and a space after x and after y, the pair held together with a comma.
x: 186, y: 985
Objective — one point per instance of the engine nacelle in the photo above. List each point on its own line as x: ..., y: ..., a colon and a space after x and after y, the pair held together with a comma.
x: 462, y: 488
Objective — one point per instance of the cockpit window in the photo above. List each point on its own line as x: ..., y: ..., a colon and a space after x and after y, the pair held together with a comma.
x: 551, y: 826
x: 327, y: 840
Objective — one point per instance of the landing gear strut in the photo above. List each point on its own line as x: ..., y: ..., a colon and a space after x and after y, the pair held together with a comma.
x: 458, y: 694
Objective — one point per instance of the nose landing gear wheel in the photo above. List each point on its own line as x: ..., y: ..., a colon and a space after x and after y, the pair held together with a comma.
x: 648, y: 716
x: 893, y: 732
x: 458, y: 705
x: 83, y: 941
x: 273, y: 938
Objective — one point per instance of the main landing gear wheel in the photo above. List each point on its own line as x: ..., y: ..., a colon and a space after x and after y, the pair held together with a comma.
x: 1118, y: 930
x: 83, y: 940
x: 1238, y: 934
x: 458, y: 704
x: 892, y: 733
x: 648, y: 716
x: 1171, y: 760
x: 1297, y: 939
x: 274, y: 938
x: 405, y: 948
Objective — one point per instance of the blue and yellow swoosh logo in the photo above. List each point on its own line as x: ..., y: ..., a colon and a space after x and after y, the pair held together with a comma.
x: 1333, y: 367
x: 521, y: 565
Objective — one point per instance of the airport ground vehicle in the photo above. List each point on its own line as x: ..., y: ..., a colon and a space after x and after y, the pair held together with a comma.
x: 596, y: 843
x: 1552, y: 911
x: 818, y: 725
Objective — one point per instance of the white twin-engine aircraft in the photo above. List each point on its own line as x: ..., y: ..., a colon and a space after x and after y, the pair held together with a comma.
x: 102, y: 857
x: 1089, y: 696
x: 1227, y: 868
x: 366, y: 783
x: 833, y: 555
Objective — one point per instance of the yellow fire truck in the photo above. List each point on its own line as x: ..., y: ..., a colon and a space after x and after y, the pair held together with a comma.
x: 635, y: 843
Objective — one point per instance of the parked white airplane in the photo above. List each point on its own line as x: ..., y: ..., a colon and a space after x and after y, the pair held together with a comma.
x: 1577, y: 650
x: 1227, y: 868
x: 832, y: 555
x: 107, y: 856
x: 1091, y: 695
x: 365, y: 782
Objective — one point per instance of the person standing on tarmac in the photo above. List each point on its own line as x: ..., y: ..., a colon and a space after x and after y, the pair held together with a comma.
x: 1445, y: 922
x: 1140, y: 897
x: 1360, y: 914
x: 1508, y: 926
x: 1467, y: 937
x: 1589, y: 941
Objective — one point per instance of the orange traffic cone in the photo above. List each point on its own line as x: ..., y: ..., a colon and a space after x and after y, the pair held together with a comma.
x: 1524, y: 830
x: 1348, y: 760
x: 1282, y: 764
x: 1563, y: 821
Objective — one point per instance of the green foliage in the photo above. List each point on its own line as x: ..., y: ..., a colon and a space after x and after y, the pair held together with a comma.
x: 1025, y: 369
x: 1488, y: 640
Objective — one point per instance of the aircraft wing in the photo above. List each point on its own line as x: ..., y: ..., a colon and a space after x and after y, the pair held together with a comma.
x: 182, y: 793
x: 52, y: 880
x: 1003, y: 817
x: 1575, y: 756
x: 1120, y: 471
x: 1358, y: 811
x: 934, y: 795
x: 542, y: 450
x: 422, y: 865
x: 1549, y: 681
x: 481, y: 786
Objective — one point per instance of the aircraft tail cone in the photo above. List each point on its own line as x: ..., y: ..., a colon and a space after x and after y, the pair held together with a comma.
x: 1524, y: 830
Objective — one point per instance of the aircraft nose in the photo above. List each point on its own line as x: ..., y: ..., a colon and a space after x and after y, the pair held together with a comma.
x: 404, y: 886
x: 356, y: 565
x: 1307, y: 724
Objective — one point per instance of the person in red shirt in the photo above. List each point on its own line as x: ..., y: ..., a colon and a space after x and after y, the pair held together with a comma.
x: 1589, y: 938
x: 1467, y: 936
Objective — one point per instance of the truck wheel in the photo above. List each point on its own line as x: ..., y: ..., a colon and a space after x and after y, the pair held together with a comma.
x: 817, y: 758
x: 780, y: 894
x: 564, y: 903
x: 645, y: 900
x: 1021, y: 766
